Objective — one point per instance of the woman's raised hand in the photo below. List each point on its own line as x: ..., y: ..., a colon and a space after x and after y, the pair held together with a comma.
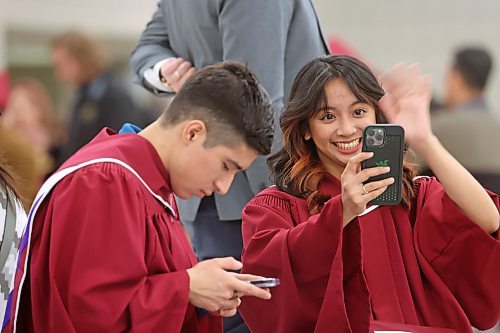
x: 406, y: 101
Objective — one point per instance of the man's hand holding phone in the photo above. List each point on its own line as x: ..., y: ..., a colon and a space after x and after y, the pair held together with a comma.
x: 213, y: 288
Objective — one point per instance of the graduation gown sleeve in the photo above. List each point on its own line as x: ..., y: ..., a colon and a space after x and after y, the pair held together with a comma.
x: 101, y: 258
x: 308, y: 254
x: 460, y: 252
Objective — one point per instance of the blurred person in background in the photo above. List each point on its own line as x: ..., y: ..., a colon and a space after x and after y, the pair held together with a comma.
x: 26, y: 136
x: 467, y: 126
x: 466, y: 80
x: 275, y: 38
x: 101, y: 100
x: 31, y: 112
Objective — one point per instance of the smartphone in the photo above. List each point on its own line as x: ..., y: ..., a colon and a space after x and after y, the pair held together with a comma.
x: 386, y: 141
x: 265, y: 283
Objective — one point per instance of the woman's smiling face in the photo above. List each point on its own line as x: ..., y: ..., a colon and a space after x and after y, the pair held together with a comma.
x: 337, y: 127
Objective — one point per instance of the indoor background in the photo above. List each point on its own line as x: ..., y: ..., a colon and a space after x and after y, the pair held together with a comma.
x: 382, y: 32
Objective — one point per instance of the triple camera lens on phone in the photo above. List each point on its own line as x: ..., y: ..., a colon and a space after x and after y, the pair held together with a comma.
x: 375, y: 137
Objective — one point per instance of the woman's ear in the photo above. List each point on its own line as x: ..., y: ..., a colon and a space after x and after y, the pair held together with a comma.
x: 307, y: 135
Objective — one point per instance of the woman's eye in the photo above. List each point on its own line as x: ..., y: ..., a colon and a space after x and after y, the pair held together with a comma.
x: 226, y: 168
x: 359, y: 112
x: 328, y: 116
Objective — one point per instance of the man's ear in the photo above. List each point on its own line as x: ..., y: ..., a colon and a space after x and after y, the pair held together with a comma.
x: 194, y: 131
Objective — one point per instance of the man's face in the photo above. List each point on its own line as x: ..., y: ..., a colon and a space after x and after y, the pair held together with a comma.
x: 452, y: 88
x: 202, y: 171
x: 66, y: 67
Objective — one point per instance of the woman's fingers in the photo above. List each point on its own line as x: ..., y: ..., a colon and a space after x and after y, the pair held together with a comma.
x: 373, y: 194
x: 376, y: 185
x: 365, y: 174
x: 353, y: 165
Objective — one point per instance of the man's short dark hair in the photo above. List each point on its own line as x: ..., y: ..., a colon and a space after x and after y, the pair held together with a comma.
x: 474, y: 64
x: 230, y: 101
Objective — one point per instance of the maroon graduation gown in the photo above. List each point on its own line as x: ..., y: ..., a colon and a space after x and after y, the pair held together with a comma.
x: 392, y: 268
x: 106, y: 256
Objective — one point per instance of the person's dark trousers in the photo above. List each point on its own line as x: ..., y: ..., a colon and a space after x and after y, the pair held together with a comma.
x: 213, y: 238
x: 235, y: 324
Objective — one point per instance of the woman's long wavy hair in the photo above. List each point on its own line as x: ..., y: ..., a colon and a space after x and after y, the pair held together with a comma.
x: 296, y: 168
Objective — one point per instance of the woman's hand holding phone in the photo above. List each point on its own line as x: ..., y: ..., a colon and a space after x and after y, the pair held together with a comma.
x: 356, y: 194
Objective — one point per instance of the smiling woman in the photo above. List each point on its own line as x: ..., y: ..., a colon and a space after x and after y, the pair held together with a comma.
x: 341, y: 100
x: 347, y: 266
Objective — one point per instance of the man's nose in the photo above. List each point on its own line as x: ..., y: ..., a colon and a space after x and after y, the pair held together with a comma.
x: 222, y: 184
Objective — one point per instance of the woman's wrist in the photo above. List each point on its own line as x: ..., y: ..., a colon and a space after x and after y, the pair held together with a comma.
x: 426, y: 146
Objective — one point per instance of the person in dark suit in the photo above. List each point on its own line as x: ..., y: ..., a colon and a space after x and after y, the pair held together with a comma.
x: 275, y: 38
x: 101, y: 100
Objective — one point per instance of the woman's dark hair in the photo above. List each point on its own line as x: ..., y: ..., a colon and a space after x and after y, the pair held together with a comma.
x: 296, y: 168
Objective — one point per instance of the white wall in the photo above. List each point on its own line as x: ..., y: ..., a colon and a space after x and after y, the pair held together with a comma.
x: 118, y: 17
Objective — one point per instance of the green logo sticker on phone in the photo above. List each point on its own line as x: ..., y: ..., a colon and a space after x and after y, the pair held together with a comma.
x: 383, y: 163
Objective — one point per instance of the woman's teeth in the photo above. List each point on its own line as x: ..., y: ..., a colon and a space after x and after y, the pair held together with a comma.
x: 348, y: 145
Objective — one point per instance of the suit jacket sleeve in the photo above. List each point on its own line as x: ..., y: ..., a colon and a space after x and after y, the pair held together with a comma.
x: 463, y: 255
x: 98, y: 247
x: 307, y: 257
x: 153, y: 46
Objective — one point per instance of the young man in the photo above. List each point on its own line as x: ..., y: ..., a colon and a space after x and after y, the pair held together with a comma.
x: 108, y: 252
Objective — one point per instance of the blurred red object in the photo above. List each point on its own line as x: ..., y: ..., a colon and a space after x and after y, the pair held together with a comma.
x: 4, y: 88
x: 339, y: 46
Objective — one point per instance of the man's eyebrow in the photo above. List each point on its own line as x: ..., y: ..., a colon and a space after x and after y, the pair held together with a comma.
x: 234, y: 164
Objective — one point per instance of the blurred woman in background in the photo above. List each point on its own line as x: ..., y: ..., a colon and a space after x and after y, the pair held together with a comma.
x: 26, y: 137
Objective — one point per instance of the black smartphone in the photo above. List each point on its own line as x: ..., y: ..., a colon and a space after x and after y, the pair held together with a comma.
x: 386, y: 141
x: 265, y: 283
